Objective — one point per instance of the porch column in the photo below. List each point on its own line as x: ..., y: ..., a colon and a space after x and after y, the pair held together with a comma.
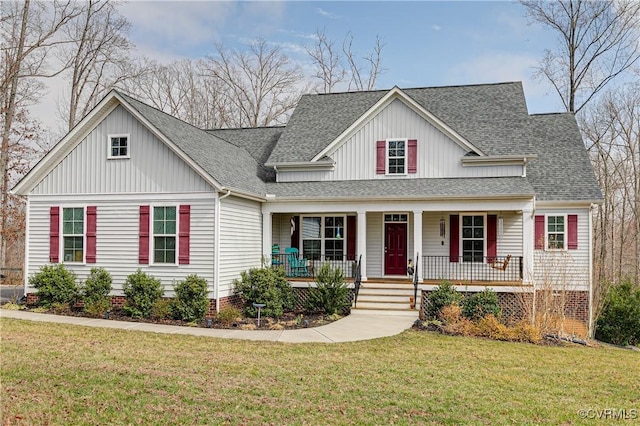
x: 527, y: 246
x: 362, y: 243
x: 267, y: 232
x: 417, y: 242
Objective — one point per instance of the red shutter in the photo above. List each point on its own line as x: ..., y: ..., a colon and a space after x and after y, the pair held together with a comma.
x: 91, y: 234
x: 54, y: 234
x: 381, y: 148
x: 351, y: 238
x: 492, y: 237
x: 572, y: 231
x: 185, y: 229
x: 413, y: 156
x: 538, y: 235
x: 143, y: 244
x: 454, y: 238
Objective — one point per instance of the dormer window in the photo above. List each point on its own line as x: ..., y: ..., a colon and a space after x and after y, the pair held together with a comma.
x: 397, y: 157
x: 118, y: 146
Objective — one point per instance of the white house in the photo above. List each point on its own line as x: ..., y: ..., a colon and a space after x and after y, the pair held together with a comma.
x: 460, y: 180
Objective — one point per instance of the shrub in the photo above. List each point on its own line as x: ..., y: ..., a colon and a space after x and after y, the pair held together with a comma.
x: 619, y: 321
x: 55, y: 284
x: 97, y: 307
x: 490, y: 327
x: 96, y: 287
x: 191, y: 301
x: 228, y: 315
x: 268, y: 286
x: 481, y: 304
x: 161, y: 309
x: 454, y: 322
x: 142, y: 292
x: 331, y: 294
x: 444, y: 295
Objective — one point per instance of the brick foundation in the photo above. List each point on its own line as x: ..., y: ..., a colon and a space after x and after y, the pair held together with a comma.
x: 569, y: 306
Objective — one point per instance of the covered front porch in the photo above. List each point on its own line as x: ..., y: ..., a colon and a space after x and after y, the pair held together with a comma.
x: 469, y: 243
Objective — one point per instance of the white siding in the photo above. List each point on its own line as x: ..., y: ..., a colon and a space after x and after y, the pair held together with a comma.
x: 153, y: 167
x: 117, y: 237
x: 375, y: 243
x: 438, y: 156
x: 240, y: 240
x: 564, y: 269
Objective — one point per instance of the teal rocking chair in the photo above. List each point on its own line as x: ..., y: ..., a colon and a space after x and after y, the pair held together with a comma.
x: 297, y: 266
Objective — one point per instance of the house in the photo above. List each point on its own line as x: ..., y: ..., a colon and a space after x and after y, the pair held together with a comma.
x: 460, y: 181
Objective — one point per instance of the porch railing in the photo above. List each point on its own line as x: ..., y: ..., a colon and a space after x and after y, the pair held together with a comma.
x: 308, y: 268
x: 461, y: 269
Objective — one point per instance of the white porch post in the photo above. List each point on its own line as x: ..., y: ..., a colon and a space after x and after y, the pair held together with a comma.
x: 361, y: 238
x: 417, y: 241
x: 267, y: 241
x: 527, y: 246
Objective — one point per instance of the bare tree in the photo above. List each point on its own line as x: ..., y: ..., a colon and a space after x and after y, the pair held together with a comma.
x: 598, y: 41
x: 363, y: 76
x: 29, y: 34
x: 261, y: 84
x: 97, y: 58
x: 328, y: 62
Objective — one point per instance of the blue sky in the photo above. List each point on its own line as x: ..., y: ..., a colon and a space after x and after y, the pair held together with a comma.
x: 427, y: 43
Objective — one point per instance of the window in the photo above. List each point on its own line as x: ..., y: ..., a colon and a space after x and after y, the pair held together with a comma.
x: 164, y: 235
x: 555, y: 232
x: 473, y: 238
x: 323, y: 237
x: 397, y: 157
x: 73, y: 234
x: 118, y: 146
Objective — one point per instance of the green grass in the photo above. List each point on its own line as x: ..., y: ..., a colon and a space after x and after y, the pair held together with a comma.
x: 63, y: 374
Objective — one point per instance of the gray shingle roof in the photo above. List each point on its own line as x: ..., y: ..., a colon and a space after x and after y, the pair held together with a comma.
x: 231, y: 166
x: 562, y: 170
x: 405, y: 188
x: 492, y: 117
x: 259, y: 142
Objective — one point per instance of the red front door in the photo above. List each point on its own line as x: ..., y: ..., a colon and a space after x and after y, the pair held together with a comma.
x: 395, y: 248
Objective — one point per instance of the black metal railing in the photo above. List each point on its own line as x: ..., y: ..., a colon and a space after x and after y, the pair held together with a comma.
x: 300, y: 267
x: 495, y: 268
x: 415, y: 281
x: 357, y: 281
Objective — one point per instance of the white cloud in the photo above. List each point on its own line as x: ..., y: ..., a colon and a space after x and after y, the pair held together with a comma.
x: 326, y: 14
x: 436, y: 27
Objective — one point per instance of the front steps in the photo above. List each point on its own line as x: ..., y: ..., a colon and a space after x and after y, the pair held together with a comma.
x: 386, y: 299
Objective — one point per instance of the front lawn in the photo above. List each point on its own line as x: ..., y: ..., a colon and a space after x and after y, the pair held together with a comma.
x: 63, y: 374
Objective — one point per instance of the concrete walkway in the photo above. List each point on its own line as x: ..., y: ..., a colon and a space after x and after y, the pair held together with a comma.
x: 349, y: 329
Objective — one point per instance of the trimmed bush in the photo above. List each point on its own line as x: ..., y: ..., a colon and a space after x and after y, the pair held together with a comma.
x: 444, y: 295
x: 191, y: 301
x: 619, y: 321
x: 161, y: 309
x: 268, y: 286
x: 142, y: 292
x: 331, y: 294
x: 481, y: 304
x: 228, y: 315
x: 97, y: 307
x: 55, y: 284
x: 97, y: 286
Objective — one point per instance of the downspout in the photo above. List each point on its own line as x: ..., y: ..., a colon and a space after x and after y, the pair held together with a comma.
x: 216, y: 249
x: 590, y: 330
x: 25, y: 267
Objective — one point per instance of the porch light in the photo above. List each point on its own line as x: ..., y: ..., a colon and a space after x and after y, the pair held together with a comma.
x: 500, y: 227
x: 442, y: 227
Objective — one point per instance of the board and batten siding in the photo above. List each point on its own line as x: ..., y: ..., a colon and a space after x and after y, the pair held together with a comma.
x: 152, y: 166
x: 438, y: 155
x: 564, y: 269
x: 240, y: 240
x: 117, y: 234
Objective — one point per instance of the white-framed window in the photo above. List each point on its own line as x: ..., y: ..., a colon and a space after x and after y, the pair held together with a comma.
x: 396, y: 217
x: 556, y: 232
x: 397, y: 156
x: 165, y: 226
x: 73, y: 234
x: 472, y: 237
x: 118, y: 146
x: 323, y: 237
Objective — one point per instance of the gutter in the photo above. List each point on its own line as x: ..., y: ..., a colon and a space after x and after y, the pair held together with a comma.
x: 216, y: 249
x: 590, y: 328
